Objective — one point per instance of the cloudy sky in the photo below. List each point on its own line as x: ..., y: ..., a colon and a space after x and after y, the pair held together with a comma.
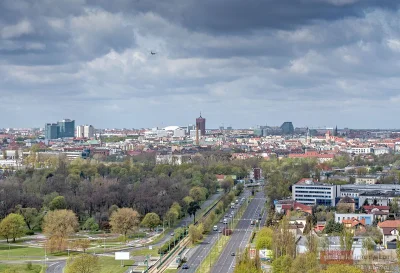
x: 241, y: 63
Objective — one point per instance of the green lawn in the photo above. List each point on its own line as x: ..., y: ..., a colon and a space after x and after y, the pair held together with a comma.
x: 16, y: 252
x: 146, y: 251
x: 20, y: 268
x: 171, y: 271
x: 110, y: 265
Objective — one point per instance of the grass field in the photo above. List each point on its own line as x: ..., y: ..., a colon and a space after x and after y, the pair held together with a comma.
x: 110, y: 265
x: 144, y: 252
x: 17, y: 252
x: 20, y: 268
x: 171, y: 271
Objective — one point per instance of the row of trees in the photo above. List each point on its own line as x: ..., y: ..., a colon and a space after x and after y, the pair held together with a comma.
x: 90, y: 189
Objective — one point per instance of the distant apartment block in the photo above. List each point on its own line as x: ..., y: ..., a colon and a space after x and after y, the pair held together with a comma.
x: 85, y: 131
x: 369, y: 179
x: 362, y: 150
x: 61, y: 129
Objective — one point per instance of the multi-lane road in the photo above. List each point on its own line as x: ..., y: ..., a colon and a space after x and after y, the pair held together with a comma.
x: 238, y: 239
x: 240, y: 236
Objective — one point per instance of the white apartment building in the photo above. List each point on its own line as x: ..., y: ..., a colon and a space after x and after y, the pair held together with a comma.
x: 309, y: 192
x: 360, y: 150
x: 84, y: 131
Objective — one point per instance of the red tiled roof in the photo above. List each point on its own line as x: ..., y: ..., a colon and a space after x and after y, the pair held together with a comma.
x: 389, y: 224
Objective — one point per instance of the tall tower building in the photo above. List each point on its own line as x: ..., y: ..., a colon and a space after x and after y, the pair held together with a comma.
x: 66, y: 128
x: 85, y: 131
x: 201, y: 125
x: 88, y: 131
x: 80, y: 131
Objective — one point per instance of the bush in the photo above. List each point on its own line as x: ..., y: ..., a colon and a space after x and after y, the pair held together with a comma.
x: 30, y: 232
x: 29, y: 266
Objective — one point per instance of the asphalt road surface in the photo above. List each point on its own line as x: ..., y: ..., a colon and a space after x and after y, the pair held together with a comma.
x: 202, y: 250
x: 240, y: 235
x: 185, y: 221
x: 55, y: 267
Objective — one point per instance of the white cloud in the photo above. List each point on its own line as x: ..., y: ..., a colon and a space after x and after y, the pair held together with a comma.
x: 17, y: 30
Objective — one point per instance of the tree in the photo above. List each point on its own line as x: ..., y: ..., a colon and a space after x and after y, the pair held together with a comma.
x: 58, y: 225
x: 193, y: 207
x: 58, y: 203
x: 282, y: 264
x: 171, y: 216
x: 195, y: 233
x: 346, y: 240
x: 227, y: 184
x: 305, y: 263
x: 13, y: 226
x: 198, y: 193
x: 342, y: 268
x: 124, y: 221
x: 83, y: 263
x: 151, y: 220
x: 91, y: 224
x: 31, y: 216
x: 264, y: 238
x: 333, y: 227
x: 81, y: 244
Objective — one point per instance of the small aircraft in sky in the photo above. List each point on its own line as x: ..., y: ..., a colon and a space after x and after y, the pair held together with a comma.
x: 153, y: 53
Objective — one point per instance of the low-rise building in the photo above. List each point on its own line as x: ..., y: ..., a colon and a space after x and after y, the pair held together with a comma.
x: 310, y: 192
x: 368, y: 179
x: 389, y: 229
x: 367, y: 218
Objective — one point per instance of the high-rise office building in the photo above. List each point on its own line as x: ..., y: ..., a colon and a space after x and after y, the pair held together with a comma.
x: 61, y: 129
x: 80, y: 131
x: 51, y: 131
x: 66, y: 128
x: 287, y: 128
x: 201, y: 125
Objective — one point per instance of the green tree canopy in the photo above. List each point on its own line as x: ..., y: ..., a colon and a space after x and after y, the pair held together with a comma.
x: 13, y: 226
x: 151, y: 220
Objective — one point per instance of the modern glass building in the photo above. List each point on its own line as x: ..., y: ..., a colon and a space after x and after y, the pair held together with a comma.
x: 66, y: 128
x: 61, y: 129
x: 51, y: 131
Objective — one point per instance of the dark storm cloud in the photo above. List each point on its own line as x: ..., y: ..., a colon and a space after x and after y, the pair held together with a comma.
x: 232, y: 16
x: 232, y: 59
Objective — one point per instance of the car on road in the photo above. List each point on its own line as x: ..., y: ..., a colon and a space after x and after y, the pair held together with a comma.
x: 215, y: 228
x: 233, y: 254
x: 172, y: 234
x: 220, y: 231
x: 185, y: 266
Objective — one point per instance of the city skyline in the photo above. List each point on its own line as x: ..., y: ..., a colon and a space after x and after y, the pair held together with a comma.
x: 315, y: 63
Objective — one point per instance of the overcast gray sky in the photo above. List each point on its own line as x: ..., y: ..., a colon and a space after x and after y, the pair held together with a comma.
x: 241, y: 63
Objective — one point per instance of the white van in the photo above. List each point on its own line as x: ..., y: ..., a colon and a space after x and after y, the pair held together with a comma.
x: 225, y: 221
x: 215, y: 228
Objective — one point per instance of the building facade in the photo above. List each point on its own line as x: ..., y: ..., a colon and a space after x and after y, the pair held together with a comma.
x: 51, y: 131
x: 66, y: 128
x: 201, y: 125
x: 309, y: 192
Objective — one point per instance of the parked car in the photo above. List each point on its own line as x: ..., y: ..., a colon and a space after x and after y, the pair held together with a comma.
x: 185, y: 266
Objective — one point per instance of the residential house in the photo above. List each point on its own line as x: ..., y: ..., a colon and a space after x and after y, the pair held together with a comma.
x: 389, y: 229
x: 356, y: 226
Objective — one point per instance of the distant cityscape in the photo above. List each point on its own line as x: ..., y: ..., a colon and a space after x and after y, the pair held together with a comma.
x: 177, y: 144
